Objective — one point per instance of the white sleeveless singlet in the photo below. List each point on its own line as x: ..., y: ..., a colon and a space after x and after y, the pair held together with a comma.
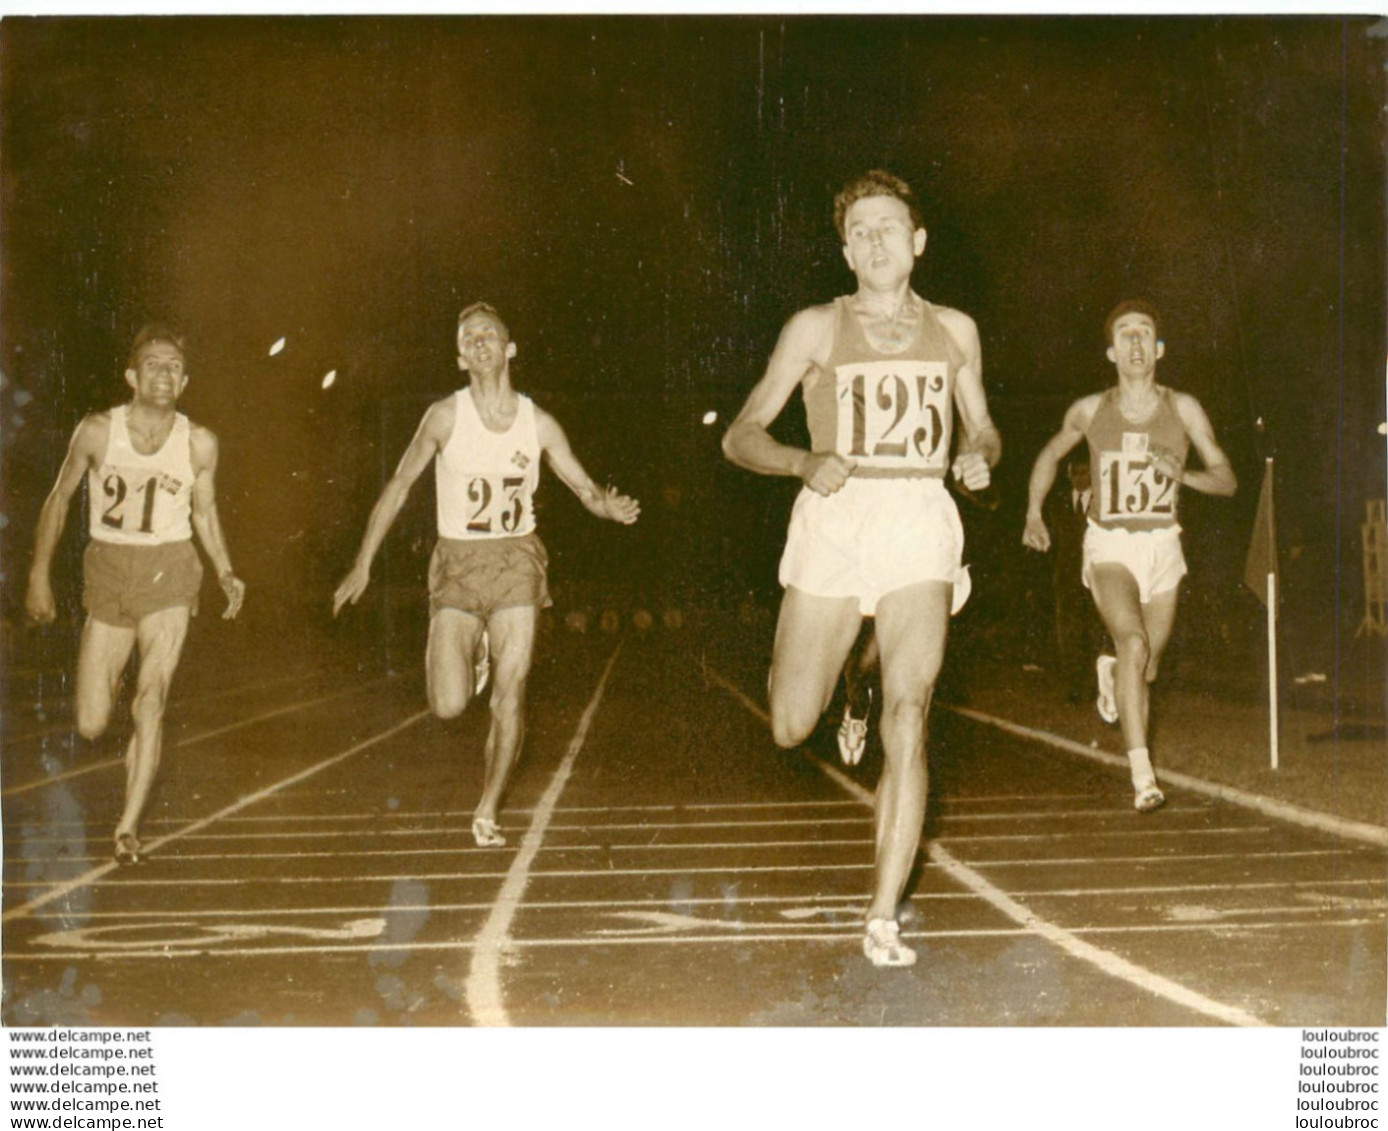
x: 486, y: 480
x: 142, y: 500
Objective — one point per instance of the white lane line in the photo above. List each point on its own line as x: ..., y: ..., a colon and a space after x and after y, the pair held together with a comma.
x: 460, y: 820
x: 833, y: 935
x: 1070, y: 862
x: 61, y: 728
x: 692, y: 847
x: 1284, y: 810
x: 95, y: 874
x: 193, y: 740
x: 1100, y: 808
x: 1110, y: 963
x: 21, y: 842
x: 483, y: 986
x: 858, y: 900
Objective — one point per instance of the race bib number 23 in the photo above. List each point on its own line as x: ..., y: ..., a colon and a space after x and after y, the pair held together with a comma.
x: 894, y: 414
x: 496, y: 504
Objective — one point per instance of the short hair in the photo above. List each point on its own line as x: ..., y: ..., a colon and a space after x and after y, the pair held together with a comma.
x: 875, y: 182
x: 483, y: 308
x: 150, y: 333
x: 1130, y: 306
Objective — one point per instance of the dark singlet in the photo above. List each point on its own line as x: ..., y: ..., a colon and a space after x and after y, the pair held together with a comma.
x: 890, y: 412
x: 1130, y: 493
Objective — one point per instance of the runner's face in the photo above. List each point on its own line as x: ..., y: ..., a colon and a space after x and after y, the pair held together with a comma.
x: 880, y: 244
x: 158, y: 378
x: 483, y: 346
x: 1135, y: 348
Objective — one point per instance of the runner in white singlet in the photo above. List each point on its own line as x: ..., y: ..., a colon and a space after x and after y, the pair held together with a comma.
x: 150, y: 476
x: 487, y: 578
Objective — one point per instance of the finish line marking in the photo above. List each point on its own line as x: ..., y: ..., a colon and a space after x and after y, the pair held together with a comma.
x: 1104, y: 960
x: 741, y: 938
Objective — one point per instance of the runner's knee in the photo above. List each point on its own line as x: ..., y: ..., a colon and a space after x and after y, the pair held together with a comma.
x: 148, y: 704
x: 790, y: 727
x: 447, y: 704
x: 1134, y: 648
x: 91, y: 721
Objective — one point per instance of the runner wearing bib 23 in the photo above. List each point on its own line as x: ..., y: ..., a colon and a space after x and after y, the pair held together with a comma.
x: 873, y: 532
x: 1139, y: 434
x: 487, y: 576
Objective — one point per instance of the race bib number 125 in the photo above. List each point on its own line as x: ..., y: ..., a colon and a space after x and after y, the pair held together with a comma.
x: 894, y: 414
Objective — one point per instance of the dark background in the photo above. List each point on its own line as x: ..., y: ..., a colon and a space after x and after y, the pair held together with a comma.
x: 647, y: 200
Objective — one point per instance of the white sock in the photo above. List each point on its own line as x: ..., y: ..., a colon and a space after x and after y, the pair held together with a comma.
x: 1140, y: 764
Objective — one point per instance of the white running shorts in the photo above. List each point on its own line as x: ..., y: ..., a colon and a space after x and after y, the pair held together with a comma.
x: 873, y: 537
x: 1153, y: 557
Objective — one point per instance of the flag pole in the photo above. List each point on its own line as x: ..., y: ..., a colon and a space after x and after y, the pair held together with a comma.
x: 1271, y: 531
x: 1272, y: 666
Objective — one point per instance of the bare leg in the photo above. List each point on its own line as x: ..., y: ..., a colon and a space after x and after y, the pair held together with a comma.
x: 161, y: 637
x: 1116, y: 595
x: 857, y: 674
x: 813, y: 636
x: 513, y: 647
x: 1159, y: 617
x: 1140, y: 633
x: 912, y: 624
x: 448, y: 660
x: 101, y: 658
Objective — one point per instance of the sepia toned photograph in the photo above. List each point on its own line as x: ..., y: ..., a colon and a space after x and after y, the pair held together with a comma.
x: 693, y: 521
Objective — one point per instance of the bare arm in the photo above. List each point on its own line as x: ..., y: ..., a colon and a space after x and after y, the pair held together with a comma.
x: 748, y: 441
x: 1077, y: 419
x: 1217, y: 477
x: 206, y: 522
x: 84, y: 451
x: 432, y: 434
x: 980, y: 446
x: 609, y: 504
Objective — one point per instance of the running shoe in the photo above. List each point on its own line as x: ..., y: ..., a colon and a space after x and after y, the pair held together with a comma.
x: 1149, y: 799
x: 1107, y: 702
x: 853, y: 732
x: 883, y: 946
x: 482, y: 664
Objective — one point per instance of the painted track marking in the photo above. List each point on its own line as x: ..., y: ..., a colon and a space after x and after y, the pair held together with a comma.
x: 483, y: 986
x: 1284, y: 810
x: 190, y: 741
x: 207, y: 697
x: 68, y: 886
x: 836, y: 936
x: 1071, y: 944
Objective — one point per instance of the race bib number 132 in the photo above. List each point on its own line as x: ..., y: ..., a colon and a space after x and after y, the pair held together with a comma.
x: 894, y: 414
x: 1131, y: 487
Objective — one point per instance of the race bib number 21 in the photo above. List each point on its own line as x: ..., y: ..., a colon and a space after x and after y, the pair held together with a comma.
x: 894, y: 414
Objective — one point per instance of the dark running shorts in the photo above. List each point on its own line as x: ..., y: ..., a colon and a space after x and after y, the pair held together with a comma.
x: 482, y: 575
x: 121, y: 585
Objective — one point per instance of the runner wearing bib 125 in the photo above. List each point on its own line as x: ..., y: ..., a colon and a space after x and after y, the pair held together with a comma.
x: 873, y: 532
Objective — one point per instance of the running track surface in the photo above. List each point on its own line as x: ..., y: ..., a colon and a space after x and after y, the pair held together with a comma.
x: 311, y: 865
